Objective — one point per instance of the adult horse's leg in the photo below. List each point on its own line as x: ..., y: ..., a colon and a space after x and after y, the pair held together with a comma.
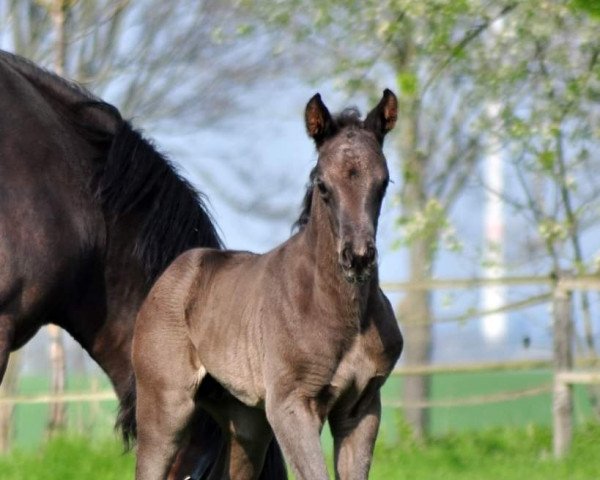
x: 354, y: 432
x: 297, y: 427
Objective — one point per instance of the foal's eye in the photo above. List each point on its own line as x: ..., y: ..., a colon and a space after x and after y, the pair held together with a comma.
x: 323, y: 190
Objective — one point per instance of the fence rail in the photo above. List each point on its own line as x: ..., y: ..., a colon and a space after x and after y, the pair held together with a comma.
x: 567, y: 369
x: 570, y: 283
x: 59, y: 398
x: 562, y: 285
x: 473, y: 400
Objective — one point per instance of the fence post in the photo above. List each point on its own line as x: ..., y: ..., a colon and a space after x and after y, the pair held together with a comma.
x: 9, y: 387
x: 58, y: 412
x: 562, y: 401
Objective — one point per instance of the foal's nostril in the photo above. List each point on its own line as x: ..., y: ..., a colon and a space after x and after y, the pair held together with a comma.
x: 370, y: 254
x: 347, y: 256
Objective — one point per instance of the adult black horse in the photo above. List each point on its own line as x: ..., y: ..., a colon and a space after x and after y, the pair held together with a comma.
x: 90, y: 215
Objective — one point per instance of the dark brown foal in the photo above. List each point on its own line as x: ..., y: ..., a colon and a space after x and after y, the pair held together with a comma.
x: 297, y: 336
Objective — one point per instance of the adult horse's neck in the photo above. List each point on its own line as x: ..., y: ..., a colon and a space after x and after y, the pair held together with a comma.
x: 318, y: 233
x: 151, y: 215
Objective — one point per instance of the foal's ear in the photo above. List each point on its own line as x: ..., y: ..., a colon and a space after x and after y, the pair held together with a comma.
x: 383, y: 117
x: 318, y: 119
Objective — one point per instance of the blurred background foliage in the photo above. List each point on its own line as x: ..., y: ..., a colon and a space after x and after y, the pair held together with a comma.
x: 521, y: 77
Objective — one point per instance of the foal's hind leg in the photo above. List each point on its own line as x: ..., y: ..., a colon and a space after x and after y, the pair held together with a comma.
x: 167, y: 376
x: 248, y: 437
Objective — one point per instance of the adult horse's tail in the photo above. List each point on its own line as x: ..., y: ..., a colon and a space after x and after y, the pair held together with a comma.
x: 207, y: 432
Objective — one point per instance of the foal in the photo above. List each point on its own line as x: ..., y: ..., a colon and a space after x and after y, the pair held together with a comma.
x: 296, y: 336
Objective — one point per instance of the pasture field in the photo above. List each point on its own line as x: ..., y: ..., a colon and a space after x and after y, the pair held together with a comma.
x: 491, y: 454
x: 509, y: 440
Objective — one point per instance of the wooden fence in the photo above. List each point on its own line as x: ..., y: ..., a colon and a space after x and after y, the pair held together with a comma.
x: 567, y: 372
x: 561, y: 287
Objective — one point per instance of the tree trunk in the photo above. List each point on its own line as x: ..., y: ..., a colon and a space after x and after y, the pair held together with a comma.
x: 415, y: 309
x: 562, y: 401
x: 415, y: 314
x: 9, y: 388
x: 57, y: 422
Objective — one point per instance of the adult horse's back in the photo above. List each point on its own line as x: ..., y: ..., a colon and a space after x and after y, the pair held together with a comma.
x: 90, y: 215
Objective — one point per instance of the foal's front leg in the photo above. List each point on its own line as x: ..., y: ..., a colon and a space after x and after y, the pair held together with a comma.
x: 354, y: 433
x: 297, y: 428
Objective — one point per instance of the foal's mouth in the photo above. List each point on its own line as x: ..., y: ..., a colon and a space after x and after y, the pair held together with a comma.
x: 357, y: 278
x: 358, y: 264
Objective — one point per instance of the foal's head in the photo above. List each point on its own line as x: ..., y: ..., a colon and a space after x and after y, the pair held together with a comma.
x: 351, y: 177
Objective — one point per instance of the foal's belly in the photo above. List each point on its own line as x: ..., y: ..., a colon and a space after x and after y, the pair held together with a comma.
x: 235, y: 366
x: 240, y: 386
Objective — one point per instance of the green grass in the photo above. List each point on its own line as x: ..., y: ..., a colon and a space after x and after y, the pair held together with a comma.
x: 508, y: 440
x: 490, y: 454
x: 30, y: 420
x: 531, y: 410
x: 501, y: 453
x: 69, y: 458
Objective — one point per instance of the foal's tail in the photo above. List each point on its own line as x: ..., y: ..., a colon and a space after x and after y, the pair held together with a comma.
x: 207, y: 431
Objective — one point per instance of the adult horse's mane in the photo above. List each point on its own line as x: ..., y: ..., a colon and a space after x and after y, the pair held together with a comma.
x: 349, y: 117
x: 133, y: 177
x: 131, y: 191
x: 137, y: 177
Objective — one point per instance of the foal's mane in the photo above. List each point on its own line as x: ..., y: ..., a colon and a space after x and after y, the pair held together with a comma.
x: 348, y: 118
x: 134, y: 179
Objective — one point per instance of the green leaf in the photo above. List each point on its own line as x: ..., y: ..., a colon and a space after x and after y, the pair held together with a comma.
x: 592, y: 7
x: 546, y: 160
x: 408, y: 83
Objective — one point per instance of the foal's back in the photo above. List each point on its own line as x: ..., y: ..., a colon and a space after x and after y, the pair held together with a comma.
x: 221, y: 302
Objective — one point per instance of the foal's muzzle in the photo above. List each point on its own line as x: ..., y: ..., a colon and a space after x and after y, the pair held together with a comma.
x: 357, y: 260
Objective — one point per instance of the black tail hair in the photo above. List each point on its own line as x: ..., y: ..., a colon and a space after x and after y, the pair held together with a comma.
x: 126, y: 417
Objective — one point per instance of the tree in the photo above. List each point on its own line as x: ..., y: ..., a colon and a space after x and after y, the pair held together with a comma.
x: 418, y: 46
x: 179, y: 64
x: 162, y: 62
x: 550, y: 86
x: 447, y: 65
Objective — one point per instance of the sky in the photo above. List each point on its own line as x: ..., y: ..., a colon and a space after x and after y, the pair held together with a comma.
x: 275, y: 141
x: 269, y: 138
